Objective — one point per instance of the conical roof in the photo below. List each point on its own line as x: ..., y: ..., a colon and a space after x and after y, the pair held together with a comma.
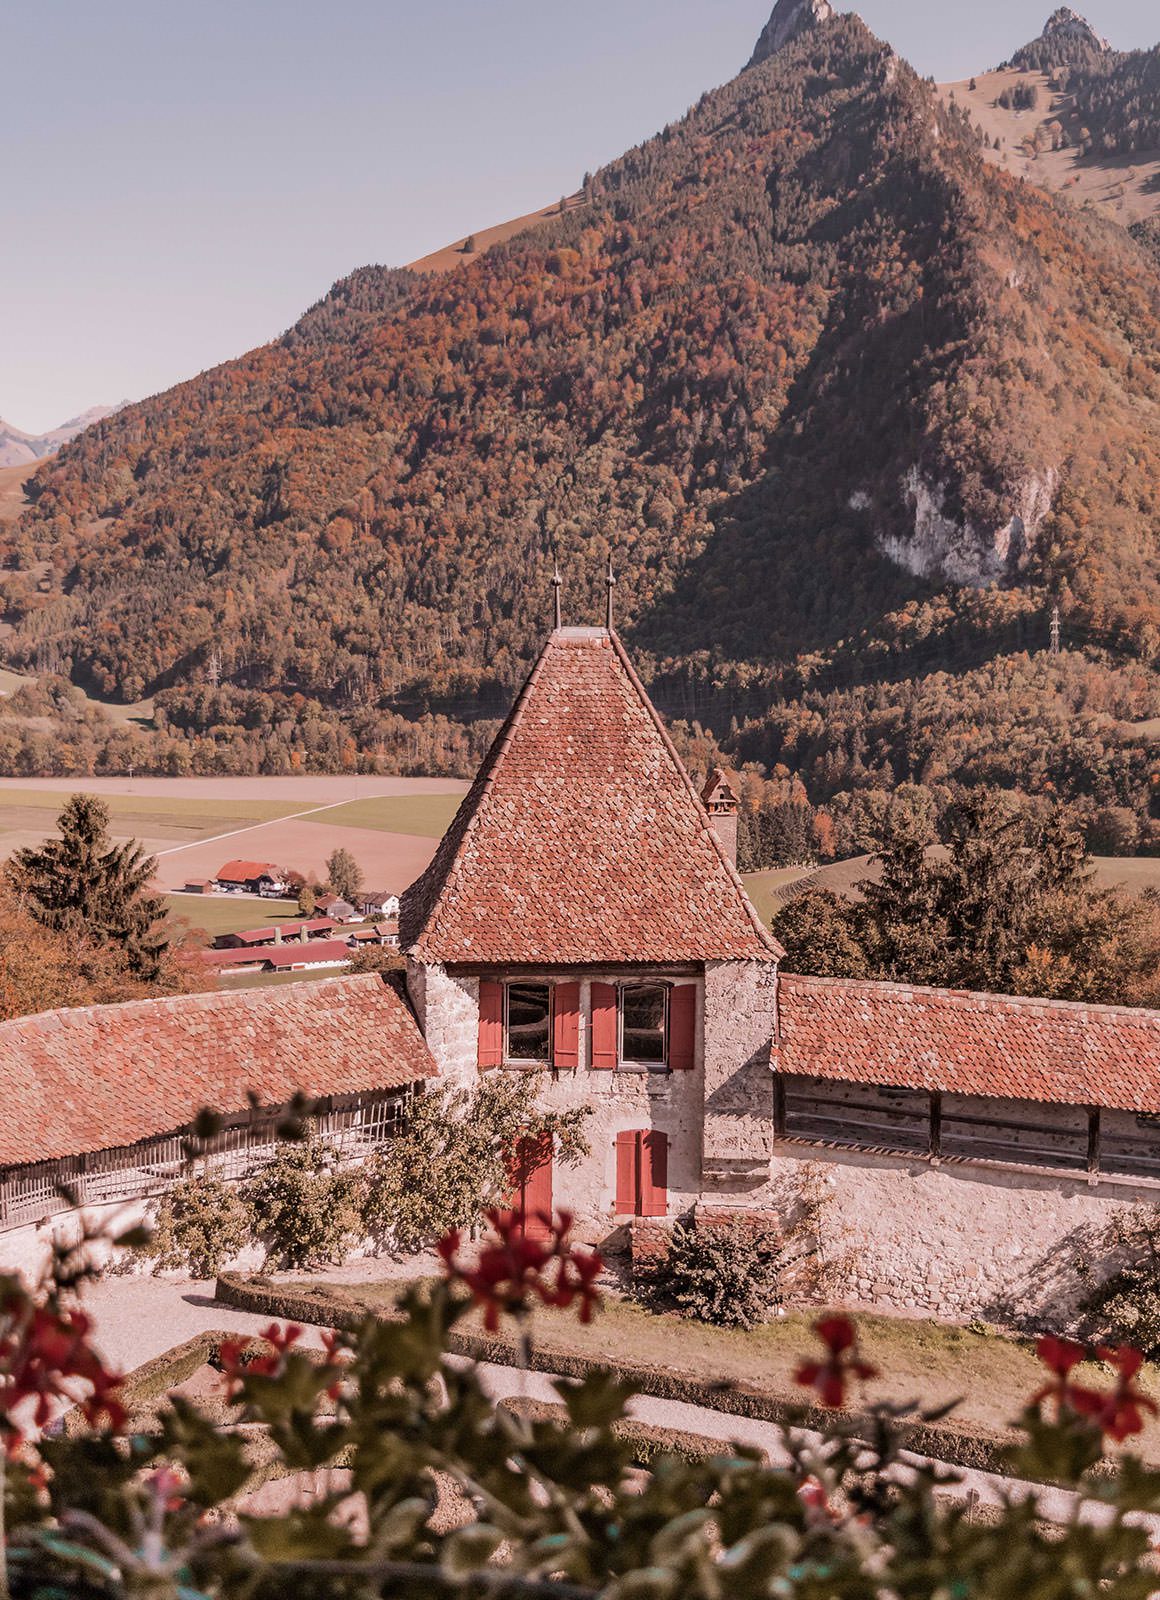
x: 582, y: 840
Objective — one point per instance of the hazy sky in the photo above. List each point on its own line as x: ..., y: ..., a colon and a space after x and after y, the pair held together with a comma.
x: 183, y: 179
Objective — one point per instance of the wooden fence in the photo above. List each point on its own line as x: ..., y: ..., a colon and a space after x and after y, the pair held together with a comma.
x: 353, y: 1124
x: 966, y: 1128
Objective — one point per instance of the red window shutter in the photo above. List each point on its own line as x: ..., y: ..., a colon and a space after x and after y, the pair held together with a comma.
x: 654, y: 1175
x: 490, y: 1025
x: 682, y: 1026
x: 604, y: 1029
x: 566, y: 1025
x: 628, y: 1174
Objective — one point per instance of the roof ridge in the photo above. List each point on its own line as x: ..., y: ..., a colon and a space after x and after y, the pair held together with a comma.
x: 471, y: 804
x: 199, y: 999
x: 1046, y: 1002
x: 707, y: 827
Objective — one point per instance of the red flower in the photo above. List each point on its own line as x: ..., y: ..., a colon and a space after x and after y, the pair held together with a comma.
x: 1061, y: 1356
x: 44, y: 1355
x: 829, y: 1378
x: 513, y: 1270
x: 232, y: 1353
x: 1117, y: 1412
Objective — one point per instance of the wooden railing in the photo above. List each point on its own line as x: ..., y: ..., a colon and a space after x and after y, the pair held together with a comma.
x: 354, y: 1124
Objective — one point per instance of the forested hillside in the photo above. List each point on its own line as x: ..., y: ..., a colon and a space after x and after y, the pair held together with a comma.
x: 835, y: 397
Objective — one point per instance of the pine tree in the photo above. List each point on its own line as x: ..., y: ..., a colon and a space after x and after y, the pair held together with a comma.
x: 93, y: 890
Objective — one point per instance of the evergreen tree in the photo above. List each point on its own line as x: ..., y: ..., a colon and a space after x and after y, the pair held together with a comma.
x: 96, y: 892
x: 902, y: 920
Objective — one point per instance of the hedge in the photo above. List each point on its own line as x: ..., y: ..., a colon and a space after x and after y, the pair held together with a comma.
x: 958, y: 1445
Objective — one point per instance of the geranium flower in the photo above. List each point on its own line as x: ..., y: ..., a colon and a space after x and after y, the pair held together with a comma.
x: 513, y: 1270
x: 830, y: 1378
x: 1118, y: 1412
x: 1061, y: 1357
x: 45, y: 1357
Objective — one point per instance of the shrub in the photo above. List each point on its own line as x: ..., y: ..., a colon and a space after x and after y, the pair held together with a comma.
x: 1125, y: 1307
x: 727, y: 1274
x: 305, y: 1205
x: 199, y: 1226
x: 453, y: 1160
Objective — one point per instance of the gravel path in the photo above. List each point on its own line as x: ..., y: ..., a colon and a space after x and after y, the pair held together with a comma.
x: 139, y: 1318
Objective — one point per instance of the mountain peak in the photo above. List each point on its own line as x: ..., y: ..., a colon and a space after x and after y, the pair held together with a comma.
x: 790, y: 18
x: 1067, y: 40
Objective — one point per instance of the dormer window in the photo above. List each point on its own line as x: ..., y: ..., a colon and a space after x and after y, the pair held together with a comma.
x: 528, y: 1023
x: 644, y: 1024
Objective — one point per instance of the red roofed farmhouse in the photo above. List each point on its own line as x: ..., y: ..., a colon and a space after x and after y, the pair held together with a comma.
x: 100, y: 1097
x: 583, y: 920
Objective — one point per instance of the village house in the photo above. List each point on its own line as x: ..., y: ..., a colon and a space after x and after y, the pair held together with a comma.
x: 336, y: 908
x: 253, y: 877
x: 583, y: 922
x: 379, y: 903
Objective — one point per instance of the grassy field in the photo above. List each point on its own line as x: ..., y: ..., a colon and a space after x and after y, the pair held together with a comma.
x: 769, y: 891
x: 226, y: 913
x: 991, y: 1374
x: 274, y: 980
x: 426, y: 816
x: 146, y: 816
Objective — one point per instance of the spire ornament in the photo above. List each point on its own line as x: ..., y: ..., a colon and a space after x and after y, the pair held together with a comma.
x: 610, y: 585
x: 557, y: 585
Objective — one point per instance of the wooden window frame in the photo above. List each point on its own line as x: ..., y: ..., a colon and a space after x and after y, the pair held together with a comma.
x: 526, y: 1064
x: 623, y: 1064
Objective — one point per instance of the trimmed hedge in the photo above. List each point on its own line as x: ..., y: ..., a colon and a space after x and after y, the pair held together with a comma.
x: 960, y: 1445
x: 649, y: 1440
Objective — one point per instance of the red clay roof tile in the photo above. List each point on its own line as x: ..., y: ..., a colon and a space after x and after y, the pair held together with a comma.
x: 582, y: 839
x: 98, y: 1077
x: 980, y: 1044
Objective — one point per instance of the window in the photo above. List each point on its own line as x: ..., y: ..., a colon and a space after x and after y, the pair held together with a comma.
x: 644, y: 1016
x: 528, y: 1022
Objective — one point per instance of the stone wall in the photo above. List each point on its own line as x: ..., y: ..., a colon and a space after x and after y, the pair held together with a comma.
x: 740, y: 1019
x: 669, y: 1102
x: 959, y: 1240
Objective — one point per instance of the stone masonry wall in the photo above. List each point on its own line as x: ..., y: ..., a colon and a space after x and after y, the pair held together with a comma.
x: 959, y: 1240
x: 740, y: 1018
x: 448, y: 1011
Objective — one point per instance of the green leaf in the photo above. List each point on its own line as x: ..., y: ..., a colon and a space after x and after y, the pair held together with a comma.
x: 470, y: 1548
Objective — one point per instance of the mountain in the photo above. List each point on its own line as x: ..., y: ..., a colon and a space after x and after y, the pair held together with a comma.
x: 17, y: 448
x: 843, y: 402
x: 790, y: 19
x: 1067, y: 40
x: 1073, y: 115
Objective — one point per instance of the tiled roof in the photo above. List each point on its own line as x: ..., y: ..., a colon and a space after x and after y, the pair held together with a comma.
x: 582, y: 839
x: 243, y: 871
x: 978, y: 1044
x: 297, y: 955
x: 102, y: 1076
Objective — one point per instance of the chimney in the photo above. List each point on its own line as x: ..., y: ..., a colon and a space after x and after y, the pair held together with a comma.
x: 720, y: 801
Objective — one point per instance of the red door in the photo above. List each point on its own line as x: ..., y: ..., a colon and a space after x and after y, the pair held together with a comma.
x: 531, y: 1191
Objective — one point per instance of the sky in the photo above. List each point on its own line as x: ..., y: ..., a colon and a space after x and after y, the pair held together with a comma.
x: 183, y: 180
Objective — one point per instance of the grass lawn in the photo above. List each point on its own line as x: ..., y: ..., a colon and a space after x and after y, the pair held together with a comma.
x: 272, y: 980
x: 427, y: 816
x: 224, y: 913
x: 147, y: 816
x: 767, y: 889
x: 992, y: 1375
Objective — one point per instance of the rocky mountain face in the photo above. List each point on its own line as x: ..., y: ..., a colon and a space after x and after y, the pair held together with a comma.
x: 1067, y: 40
x: 18, y: 448
x: 790, y: 19
x: 829, y: 390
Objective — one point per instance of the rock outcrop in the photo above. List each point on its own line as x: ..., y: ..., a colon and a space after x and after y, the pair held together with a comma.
x: 790, y: 18
x: 944, y: 547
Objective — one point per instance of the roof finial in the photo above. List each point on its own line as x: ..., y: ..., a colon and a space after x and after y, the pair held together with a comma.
x: 557, y: 585
x: 610, y: 584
